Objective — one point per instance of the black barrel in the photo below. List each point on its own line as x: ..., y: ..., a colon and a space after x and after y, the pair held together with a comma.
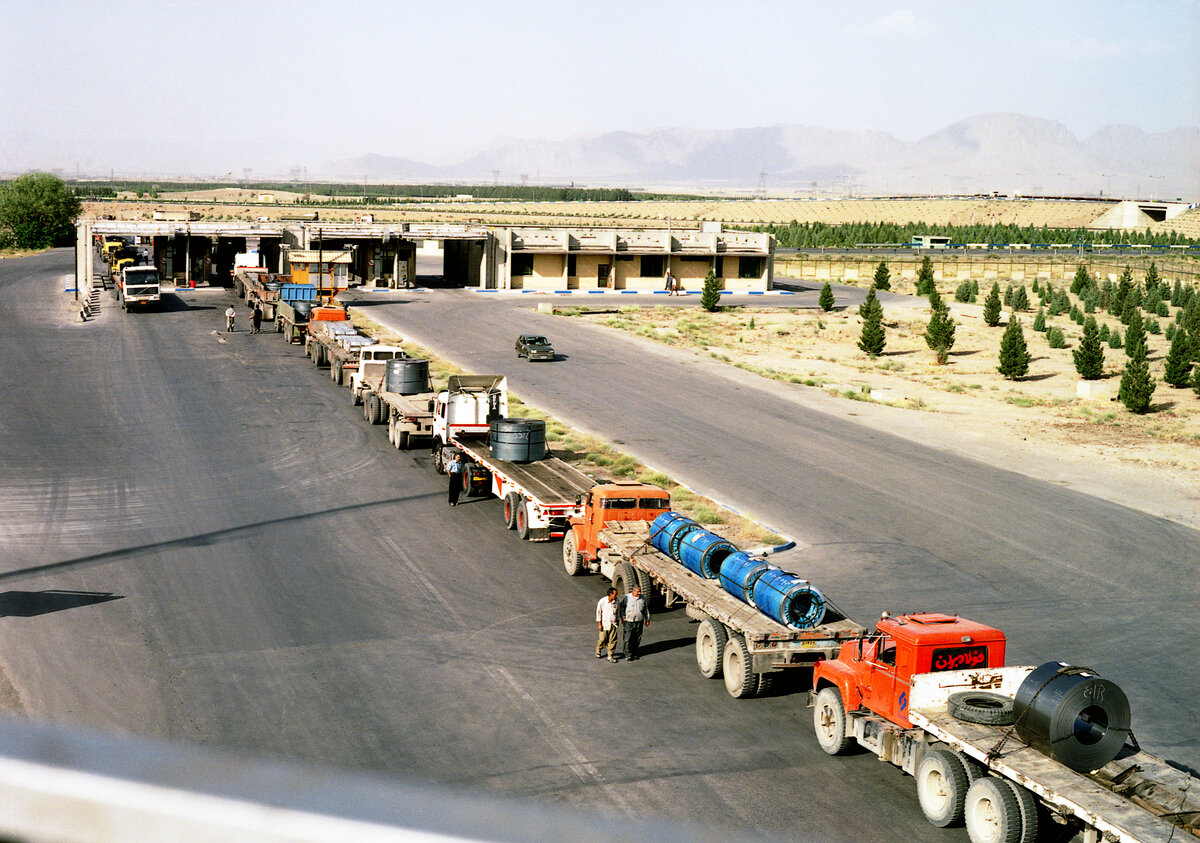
x: 1072, y: 715
x: 517, y: 440
x: 407, y: 376
x: 303, y: 308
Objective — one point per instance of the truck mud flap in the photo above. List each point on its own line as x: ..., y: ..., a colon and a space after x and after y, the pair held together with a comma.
x: 539, y: 534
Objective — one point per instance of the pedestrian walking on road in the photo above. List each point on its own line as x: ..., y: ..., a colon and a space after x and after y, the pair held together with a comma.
x: 256, y: 319
x: 454, y: 469
x: 606, y: 625
x: 635, y: 616
x: 230, y: 313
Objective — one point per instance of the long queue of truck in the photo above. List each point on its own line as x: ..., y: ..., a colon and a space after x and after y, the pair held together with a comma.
x: 1009, y: 751
x: 137, y: 283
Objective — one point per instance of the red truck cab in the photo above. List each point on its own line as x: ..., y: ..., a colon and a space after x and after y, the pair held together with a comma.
x: 875, y: 672
x: 621, y: 500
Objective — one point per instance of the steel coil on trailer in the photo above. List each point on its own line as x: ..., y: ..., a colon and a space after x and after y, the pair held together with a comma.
x: 668, y: 530
x: 702, y: 552
x: 517, y: 440
x: 739, y: 572
x: 410, y: 376
x: 1071, y: 714
x: 788, y: 599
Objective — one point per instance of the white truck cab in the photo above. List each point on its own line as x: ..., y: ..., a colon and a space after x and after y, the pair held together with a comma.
x: 372, y: 360
x: 468, y: 404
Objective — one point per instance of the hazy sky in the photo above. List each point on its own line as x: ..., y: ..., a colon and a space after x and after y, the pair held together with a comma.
x: 219, y: 87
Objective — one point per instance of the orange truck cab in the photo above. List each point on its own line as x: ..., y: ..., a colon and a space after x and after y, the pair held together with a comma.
x: 622, y: 500
x: 875, y: 672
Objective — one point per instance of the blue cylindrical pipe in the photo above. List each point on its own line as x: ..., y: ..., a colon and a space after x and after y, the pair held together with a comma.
x: 739, y: 572
x: 702, y: 552
x: 668, y: 530
x: 788, y: 599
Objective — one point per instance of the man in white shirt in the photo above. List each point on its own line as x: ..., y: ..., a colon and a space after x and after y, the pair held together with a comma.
x: 606, y: 624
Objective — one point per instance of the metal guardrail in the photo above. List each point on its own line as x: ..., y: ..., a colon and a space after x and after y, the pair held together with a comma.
x: 62, y: 784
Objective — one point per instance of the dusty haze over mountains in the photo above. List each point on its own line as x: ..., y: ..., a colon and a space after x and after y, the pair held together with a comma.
x: 1008, y: 153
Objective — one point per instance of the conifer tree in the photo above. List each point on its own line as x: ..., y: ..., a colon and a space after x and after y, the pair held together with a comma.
x: 1080, y: 282
x: 935, y: 298
x: 1177, y: 369
x: 991, y: 306
x: 1152, y: 279
x: 1020, y: 299
x: 1177, y: 294
x: 1135, y: 337
x: 1089, y: 357
x: 872, y: 339
x: 1014, y: 355
x: 1039, y: 321
x: 939, y: 333
x: 882, y: 277
x: 710, y: 293
x: 1136, y: 384
x: 1114, y: 339
x: 925, y: 277
x: 1104, y: 332
x: 1008, y: 294
x: 1124, y: 285
x: 826, y: 298
x: 1128, y: 310
x: 1196, y: 380
x: 1055, y: 338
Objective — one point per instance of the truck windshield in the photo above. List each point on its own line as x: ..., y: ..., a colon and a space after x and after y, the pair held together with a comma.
x: 142, y: 276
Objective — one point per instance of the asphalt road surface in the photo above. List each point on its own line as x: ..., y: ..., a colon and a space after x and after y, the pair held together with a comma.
x: 889, y: 524
x: 200, y: 539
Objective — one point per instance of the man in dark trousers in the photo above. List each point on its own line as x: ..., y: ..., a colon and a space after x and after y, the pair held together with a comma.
x: 256, y: 319
x: 635, y: 616
x: 454, y: 469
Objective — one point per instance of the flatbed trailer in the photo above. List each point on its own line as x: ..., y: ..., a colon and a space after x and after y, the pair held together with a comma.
x: 539, y: 497
x: 1138, y: 797
x: 408, y: 417
x: 734, y: 640
x: 336, y: 345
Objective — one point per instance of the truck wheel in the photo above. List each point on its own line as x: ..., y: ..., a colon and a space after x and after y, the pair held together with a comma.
x: 439, y: 463
x: 624, y: 579
x: 981, y: 707
x: 335, y: 372
x: 523, y: 520
x: 738, y: 668
x: 992, y: 813
x: 829, y: 721
x: 571, y: 561
x: 710, y: 648
x: 354, y: 397
x: 765, y: 681
x: 1028, y: 804
x: 403, y: 440
x: 380, y: 411
x: 941, y: 787
x: 512, y: 502
x: 647, y: 586
x: 279, y: 326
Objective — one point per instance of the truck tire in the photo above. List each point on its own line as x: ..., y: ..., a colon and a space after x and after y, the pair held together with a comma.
x: 941, y: 787
x: 765, y: 682
x: 624, y: 579
x: 571, y: 562
x: 335, y: 372
x: 403, y: 440
x: 380, y: 414
x: 279, y: 326
x: 710, y: 647
x: 981, y: 707
x: 1028, y: 803
x: 512, y: 502
x: 647, y: 586
x: 523, y: 519
x: 738, y: 668
x: 992, y: 813
x: 829, y: 721
x: 355, y: 397
x: 439, y: 464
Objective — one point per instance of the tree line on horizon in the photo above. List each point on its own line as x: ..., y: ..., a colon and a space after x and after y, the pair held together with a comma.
x: 817, y: 234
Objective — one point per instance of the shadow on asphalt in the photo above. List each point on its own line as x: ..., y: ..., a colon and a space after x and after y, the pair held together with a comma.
x: 27, y: 604
x: 201, y: 539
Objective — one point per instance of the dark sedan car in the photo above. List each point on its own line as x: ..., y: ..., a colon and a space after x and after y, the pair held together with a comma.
x: 534, y: 347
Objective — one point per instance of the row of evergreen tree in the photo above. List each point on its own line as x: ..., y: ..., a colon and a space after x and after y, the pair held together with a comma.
x: 816, y: 234
x: 1125, y: 300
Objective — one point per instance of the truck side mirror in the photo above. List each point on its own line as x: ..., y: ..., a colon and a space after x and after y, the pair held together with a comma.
x: 579, y: 500
x: 431, y: 405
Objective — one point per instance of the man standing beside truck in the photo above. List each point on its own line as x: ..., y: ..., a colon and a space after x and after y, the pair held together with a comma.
x: 454, y: 469
x: 606, y: 624
x: 635, y: 616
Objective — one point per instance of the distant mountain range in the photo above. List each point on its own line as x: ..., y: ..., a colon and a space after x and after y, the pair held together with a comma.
x: 1006, y: 153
